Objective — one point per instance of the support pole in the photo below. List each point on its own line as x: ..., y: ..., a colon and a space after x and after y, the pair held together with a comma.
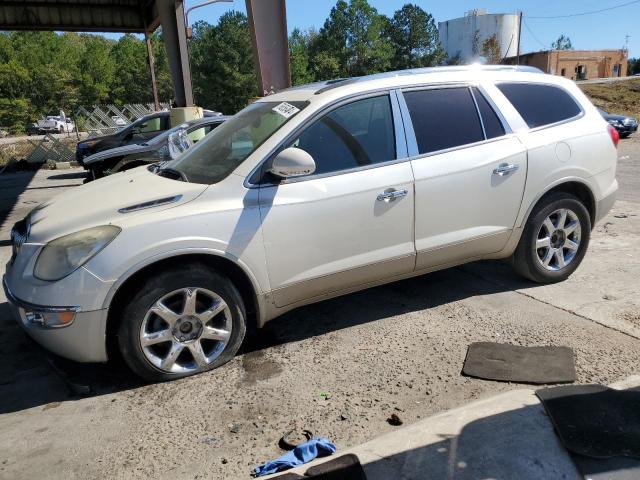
x: 152, y: 68
x: 268, y: 25
x: 175, y: 41
x: 519, y: 36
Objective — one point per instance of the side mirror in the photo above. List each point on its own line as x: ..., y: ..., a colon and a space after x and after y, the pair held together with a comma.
x: 292, y: 162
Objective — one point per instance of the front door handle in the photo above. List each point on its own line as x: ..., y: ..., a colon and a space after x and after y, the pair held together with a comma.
x: 391, y: 195
x: 505, y: 169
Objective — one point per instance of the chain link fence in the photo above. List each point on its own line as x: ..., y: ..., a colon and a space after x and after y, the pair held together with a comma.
x: 95, y: 121
x: 31, y: 153
x: 105, y: 119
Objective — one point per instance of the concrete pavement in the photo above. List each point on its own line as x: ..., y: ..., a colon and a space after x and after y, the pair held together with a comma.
x: 396, y: 348
x: 508, y: 436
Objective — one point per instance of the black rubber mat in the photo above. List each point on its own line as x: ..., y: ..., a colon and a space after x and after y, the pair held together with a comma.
x: 594, y: 420
x: 346, y: 467
x: 513, y: 363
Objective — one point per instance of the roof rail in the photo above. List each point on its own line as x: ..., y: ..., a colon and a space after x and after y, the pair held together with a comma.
x: 340, y: 82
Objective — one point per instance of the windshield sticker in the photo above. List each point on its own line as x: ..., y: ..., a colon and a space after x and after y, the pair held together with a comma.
x: 286, y: 109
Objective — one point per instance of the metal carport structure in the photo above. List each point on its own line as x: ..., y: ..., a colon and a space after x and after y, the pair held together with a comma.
x: 267, y: 20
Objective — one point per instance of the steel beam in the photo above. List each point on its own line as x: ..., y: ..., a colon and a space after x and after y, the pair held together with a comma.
x: 171, y: 14
x: 268, y: 25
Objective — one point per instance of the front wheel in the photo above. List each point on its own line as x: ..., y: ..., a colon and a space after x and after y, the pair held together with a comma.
x: 181, y: 322
x: 554, y: 240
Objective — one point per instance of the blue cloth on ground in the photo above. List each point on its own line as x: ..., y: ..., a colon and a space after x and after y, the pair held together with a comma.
x: 303, y: 453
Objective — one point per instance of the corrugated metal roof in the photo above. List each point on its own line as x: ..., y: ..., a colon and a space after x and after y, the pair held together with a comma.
x: 78, y: 15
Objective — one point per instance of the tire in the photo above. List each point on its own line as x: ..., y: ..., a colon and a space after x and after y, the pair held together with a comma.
x: 177, y: 334
x: 625, y: 135
x: 554, y: 260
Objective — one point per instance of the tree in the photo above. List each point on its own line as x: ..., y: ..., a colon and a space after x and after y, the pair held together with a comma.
x: 562, y: 43
x: 224, y: 77
x: 353, y: 38
x: 299, y: 44
x: 491, y: 50
x: 633, y: 66
x: 131, y: 81
x: 414, y: 37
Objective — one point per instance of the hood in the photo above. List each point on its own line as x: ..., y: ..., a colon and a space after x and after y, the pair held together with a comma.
x: 97, y: 203
x: 95, y: 140
x: 118, y: 152
x: 610, y: 116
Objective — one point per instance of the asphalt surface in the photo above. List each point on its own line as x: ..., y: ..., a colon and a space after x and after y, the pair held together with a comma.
x: 339, y: 368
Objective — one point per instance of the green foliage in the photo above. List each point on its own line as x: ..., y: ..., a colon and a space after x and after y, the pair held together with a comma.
x: 633, y: 66
x: 222, y: 67
x: 414, y: 36
x: 43, y: 72
x: 299, y: 43
x: 562, y: 43
x: 352, y: 42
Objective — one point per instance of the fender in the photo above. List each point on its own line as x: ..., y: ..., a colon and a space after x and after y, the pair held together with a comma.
x: 186, y: 251
x: 551, y: 186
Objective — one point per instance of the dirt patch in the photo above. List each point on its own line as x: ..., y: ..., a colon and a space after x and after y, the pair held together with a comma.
x: 617, y: 97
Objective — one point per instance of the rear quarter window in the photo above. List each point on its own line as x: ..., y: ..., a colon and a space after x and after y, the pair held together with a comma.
x: 540, y: 105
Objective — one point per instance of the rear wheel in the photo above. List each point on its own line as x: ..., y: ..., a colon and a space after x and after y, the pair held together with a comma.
x: 182, y: 322
x: 554, y: 240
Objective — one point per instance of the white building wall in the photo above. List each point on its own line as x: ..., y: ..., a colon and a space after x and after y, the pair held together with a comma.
x: 457, y: 35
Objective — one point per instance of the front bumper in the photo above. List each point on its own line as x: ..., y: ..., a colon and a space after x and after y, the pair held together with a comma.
x: 83, y: 340
x: 626, y: 128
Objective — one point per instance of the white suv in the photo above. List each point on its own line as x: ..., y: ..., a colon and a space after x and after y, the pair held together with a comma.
x: 310, y: 193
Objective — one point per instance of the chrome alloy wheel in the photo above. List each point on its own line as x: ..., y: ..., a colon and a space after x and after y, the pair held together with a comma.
x: 558, y: 239
x: 185, y: 330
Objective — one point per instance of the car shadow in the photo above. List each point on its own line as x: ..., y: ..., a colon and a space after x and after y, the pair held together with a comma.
x: 12, y: 185
x: 68, y: 176
x: 405, y: 296
x: 30, y: 376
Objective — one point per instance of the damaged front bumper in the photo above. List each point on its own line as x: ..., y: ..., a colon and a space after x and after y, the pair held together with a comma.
x: 65, y: 330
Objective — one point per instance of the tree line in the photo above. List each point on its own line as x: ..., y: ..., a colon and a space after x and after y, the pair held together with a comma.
x: 42, y: 72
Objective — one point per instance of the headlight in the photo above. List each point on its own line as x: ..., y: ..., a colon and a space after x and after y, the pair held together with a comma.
x: 64, y: 255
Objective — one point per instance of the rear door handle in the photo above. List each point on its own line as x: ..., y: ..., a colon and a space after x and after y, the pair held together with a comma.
x: 391, y: 195
x: 505, y: 169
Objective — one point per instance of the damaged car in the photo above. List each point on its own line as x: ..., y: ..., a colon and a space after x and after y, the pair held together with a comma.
x: 163, y: 147
x: 313, y: 192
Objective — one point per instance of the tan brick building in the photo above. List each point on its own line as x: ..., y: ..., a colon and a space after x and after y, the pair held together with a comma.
x: 577, y: 64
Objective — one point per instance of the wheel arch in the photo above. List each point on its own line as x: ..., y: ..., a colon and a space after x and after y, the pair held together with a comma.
x: 238, y: 275
x: 575, y: 187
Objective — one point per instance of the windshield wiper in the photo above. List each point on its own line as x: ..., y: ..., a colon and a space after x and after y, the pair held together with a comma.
x: 169, y: 172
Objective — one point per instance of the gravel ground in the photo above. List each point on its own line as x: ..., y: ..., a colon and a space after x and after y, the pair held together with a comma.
x: 339, y: 368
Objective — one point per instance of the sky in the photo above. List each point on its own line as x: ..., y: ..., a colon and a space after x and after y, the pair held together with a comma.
x: 605, y: 30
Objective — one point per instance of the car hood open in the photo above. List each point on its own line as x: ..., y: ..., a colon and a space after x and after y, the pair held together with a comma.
x: 108, y: 201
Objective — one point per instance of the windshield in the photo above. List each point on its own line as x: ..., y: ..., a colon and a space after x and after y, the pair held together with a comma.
x: 219, y: 153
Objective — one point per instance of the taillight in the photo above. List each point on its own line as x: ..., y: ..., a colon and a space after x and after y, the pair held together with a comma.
x: 615, y: 136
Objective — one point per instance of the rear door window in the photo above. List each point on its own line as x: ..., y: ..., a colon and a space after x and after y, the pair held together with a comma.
x: 492, y: 125
x: 443, y: 118
x: 540, y: 105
